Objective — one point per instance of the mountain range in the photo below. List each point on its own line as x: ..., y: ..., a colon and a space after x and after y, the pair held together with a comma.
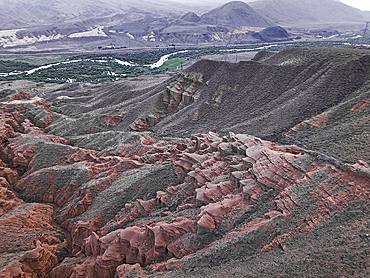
x: 46, y: 25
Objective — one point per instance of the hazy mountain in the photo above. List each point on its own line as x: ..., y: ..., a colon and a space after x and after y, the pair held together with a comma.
x: 86, y: 25
x: 292, y: 12
x: 21, y: 13
x: 235, y: 14
x: 89, y: 24
x: 25, y: 13
x: 191, y: 17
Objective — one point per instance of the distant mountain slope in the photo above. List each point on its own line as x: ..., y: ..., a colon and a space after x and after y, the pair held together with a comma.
x: 83, y: 25
x: 307, y: 11
x: 235, y: 14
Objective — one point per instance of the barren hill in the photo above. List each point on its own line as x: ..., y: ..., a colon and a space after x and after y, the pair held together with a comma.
x: 235, y: 14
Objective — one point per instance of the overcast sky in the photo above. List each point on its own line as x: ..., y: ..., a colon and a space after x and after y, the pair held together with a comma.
x: 360, y: 4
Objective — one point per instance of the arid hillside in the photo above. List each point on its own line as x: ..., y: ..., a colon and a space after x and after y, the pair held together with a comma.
x: 266, y: 97
x: 254, y: 169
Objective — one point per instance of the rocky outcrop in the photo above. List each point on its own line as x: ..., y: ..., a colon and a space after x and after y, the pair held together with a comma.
x: 8, y: 125
x: 362, y: 104
x: 272, y: 173
x: 312, y: 123
x: 127, y: 270
x: 112, y: 120
x: 38, y: 261
x: 31, y: 246
x: 224, y: 179
x: 178, y: 94
x: 20, y: 96
x: 145, y: 122
x: 8, y: 200
x: 183, y: 90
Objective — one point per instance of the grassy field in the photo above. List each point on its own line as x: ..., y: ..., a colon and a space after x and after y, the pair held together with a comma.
x: 174, y: 63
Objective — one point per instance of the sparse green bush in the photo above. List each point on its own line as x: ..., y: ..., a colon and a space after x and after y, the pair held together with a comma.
x: 113, y: 228
x: 60, y: 234
x: 30, y: 199
x: 62, y: 254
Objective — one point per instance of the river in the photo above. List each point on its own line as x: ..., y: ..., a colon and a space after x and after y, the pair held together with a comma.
x: 157, y: 64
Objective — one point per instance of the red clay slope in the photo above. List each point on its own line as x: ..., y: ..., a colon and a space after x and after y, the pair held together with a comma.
x: 30, y: 245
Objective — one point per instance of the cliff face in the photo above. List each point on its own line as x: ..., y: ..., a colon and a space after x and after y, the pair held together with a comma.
x: 183, y: 91
x: 116, y: 202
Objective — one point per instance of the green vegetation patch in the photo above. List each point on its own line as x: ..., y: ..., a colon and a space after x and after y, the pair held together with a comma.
x: 174, y: 63
x: 12, y: 66
x: 62, y: 254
